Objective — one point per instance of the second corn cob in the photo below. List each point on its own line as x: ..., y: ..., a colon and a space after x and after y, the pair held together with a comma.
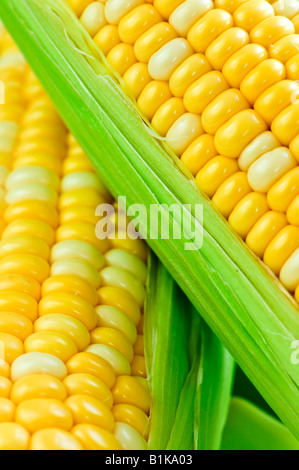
x: 216, y: 105
x: 73, y: 375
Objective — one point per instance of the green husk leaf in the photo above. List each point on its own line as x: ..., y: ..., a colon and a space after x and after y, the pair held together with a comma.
x: 166, y: 336
x: 243, y: 304
x: 250, y: 428
x: 215, y: 382
x: 190, y: 372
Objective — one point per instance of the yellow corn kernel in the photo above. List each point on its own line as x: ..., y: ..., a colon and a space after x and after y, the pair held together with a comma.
x: 78, y: 6
x: 90, y: 410
x: 114, y: 338
x: 185, y: 15
x: 5, y: 387
x: 13, y: 437
x: 154, y: 94
x: 121, y: 57
x: 95, y: 438
x: 37, y: 386
x: 24, y: 244
x: 40, y: 413
x: 275, y: 99
x: 183, y: 132
x: 152, y: 40
x: 136, y: 78
x: 31, y: 228
x: 117, y: 361
x: 293, y: 212
x: 292, y: 68
x: 187, y: 73
x: 167, y: 114
x: 294, y: 147
x: 80, y: 197
x: 265, y: 171
x: 77, y: 249
x: 137, y: 247
x: 16, y: 325
x: 73, y: 164
x: 271, y: 29
x: 208, y: 28
x: 19, y: 303
x: 81, y: 180
x: 65, y: 325
x: 70, y: 284
x: 132, y: 416
x: 247, y: 212
x: 51, y: 342
x: 226, y: 105
x: 229, y: 5
x: 129, y: 438
x: 81, y: 231
x: 70, y: 266
x: 7, y: 410
x: 230, y: 192
x: 112, y: 317
x: 204, y: 91
x: 264, y: 231
x: 115, y: 10
x: 37, y: 363
x: 121, y: 300
x: 285, y: 48
x: 263, y: 143
x: 128, y: 390
x: 164, y: 62
x: 31, y: 191
x: 286, y: 125
x: 243, y: 62
x: 139, y: 345
x: 281, y: 194
x: 93, y: 18
x: 88, y: 384
x: 127, y: 261
x: 31, y: 174
x: 78, y: 214
x: 69, y: 304
x: 89, y: 363
x: 166, y: 7
x: 232, y: 138
x: 137, y: 22
x: 199, y: 152
x: 295, y: 22
x: 39, y: 158
x: 222, y: 48
x: 27, y: 265
x: 250, y: 14
x: 54, y: 439
x: 107, y: 38
x: 289, y: 272
x: 263, y: 76
x: 117, y: 277
x: 138, y: 366
x: 214, y: 173
x: 281, y: 248
x: 39, y: 210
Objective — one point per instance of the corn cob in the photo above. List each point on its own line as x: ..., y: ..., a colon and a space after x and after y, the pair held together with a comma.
x: 73, y: 374
x: 218, y: 82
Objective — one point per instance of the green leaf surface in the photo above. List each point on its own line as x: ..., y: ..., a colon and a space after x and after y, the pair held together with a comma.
x: 215, y: 381
x: 242, y: 303
x: 250, y: 428
x: 166, y: 334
